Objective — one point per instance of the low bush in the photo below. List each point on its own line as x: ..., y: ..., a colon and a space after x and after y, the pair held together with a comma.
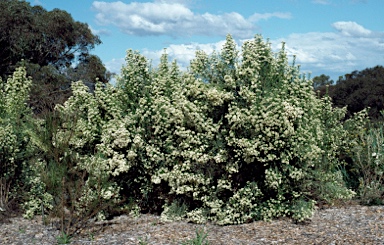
x: 367, y: 163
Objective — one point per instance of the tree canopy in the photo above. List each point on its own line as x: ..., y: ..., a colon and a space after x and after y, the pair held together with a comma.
x: 321, y: 80
x: 54, y: 48
x: 89, y: 69
x: 41, y: 37
x: 359, y: 90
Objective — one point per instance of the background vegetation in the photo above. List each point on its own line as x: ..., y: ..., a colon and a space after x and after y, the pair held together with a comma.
x: 357, y: 90
x: 52, y: 47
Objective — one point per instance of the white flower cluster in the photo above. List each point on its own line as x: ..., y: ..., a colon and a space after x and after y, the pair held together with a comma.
x: 273, y: 178
x: 39, y: 199
x: 242, y: 207
x: 8, y: 141
x: 16, y: 93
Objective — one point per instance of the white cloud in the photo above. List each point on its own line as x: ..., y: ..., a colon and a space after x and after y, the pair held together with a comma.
x: 323, y: 2
x: 115, y: 65
x: 184, y: 2
x: 331, y: 53
x: 37, y: 2
x: 282, y: 15
x: 174, y: 18
x: 100, y: 32
x: 350, y: 28
x: 183, y: 53
x: 351, y: 47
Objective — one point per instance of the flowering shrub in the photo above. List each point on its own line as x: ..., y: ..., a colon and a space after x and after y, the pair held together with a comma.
x: 237, y: 138
x: 39, y: 200
x: 86, y: 121
x: 13, y: 112
x: 241, y: 136
x: 15, y: 147
x: 19, y: 170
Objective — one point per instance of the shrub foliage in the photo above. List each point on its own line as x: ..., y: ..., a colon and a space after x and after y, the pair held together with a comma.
x: 240, y: 136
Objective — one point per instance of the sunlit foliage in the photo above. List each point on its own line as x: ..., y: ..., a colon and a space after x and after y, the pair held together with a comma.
x: 240, y: 136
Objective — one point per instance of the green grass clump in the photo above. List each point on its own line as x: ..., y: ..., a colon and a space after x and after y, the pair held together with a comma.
x: 199, y: 239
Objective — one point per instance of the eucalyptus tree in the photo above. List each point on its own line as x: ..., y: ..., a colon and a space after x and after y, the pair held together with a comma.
x: 41, y: 37
x: 48, y: 44
x: 359, y: 90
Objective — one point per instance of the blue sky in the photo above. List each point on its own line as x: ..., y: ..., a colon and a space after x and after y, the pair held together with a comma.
x: 331, y: 37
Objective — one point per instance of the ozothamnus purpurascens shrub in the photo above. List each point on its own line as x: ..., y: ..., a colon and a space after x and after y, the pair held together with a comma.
x: 19, y: 175
x: 240, y: 136
x: 86, y: 120
x: 237, y: 138
x: 274, y: 128
x: 74, y: 166
x: 13, y: 113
